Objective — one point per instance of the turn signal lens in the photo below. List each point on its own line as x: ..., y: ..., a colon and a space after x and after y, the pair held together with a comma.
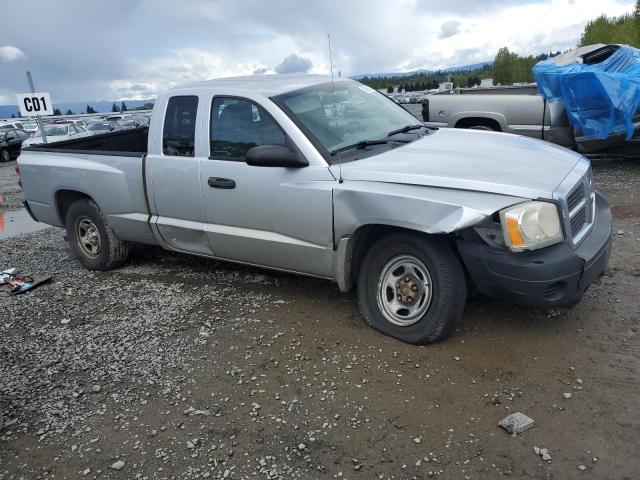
x: 513, y: 230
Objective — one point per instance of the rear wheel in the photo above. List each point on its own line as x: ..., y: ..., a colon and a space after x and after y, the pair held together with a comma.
x: 412, y: 287
x: 4, y: 155
x: 92, y: 240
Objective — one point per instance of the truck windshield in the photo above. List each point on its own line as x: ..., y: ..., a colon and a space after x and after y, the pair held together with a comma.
x: 358, y: 116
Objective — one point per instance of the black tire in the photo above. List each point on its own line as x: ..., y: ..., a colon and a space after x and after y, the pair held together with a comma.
x: 111, y: 252
x: 444, y: 312
x: 5, y: 156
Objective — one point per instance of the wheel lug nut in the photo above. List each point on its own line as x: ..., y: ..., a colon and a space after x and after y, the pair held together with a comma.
x: 414, y: 288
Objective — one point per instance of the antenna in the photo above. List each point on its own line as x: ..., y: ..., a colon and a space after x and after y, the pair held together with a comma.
x: 335, y: 111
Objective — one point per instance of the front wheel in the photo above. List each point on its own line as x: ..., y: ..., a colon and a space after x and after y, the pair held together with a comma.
x: 412, y: 287
x: 92, y: 240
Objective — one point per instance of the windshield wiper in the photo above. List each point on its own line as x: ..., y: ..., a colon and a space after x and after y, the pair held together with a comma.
x: 367, y: 143
x: 405, y: 129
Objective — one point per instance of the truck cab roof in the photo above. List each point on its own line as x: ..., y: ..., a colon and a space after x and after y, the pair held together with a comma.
x: 267, y: 85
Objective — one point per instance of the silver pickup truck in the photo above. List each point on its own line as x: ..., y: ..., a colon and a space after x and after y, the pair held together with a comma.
x: 336, y: 181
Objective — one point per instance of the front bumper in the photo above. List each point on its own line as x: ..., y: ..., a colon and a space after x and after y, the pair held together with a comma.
x: 553, y: 276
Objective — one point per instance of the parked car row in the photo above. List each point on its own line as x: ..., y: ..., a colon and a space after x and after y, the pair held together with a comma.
x: 56, y: 132
x: 28, y: 133
x: 411, y: 97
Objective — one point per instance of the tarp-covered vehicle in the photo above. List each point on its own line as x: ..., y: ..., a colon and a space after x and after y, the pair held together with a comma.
x: 600, y: 88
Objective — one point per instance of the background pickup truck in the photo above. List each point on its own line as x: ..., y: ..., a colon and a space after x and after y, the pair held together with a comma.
x: 336, y: 181
x: 521, y: 114
x: 600, y: 92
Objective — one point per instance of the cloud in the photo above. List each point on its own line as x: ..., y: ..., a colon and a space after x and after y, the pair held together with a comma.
x: 294, y: 64
x: 449, y: 28
x: 469, y: 8
x: 9, y: 53
x: 101, y: 50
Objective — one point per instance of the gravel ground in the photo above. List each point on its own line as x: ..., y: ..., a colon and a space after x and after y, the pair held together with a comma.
x: 180, y: 367
x: 9, y: 188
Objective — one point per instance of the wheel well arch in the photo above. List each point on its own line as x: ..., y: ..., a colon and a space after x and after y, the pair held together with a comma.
x: 360, y: 242
x: 64, y: 199
x: 480, y: 121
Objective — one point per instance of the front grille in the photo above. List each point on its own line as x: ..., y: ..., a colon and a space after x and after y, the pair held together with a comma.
x: 577, y: 221
x: 577, y: 197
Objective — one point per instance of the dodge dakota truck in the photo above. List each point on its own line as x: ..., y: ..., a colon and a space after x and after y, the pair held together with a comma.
x: 332, y: 180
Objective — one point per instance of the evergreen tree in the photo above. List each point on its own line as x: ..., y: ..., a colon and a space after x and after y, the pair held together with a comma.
x: 503, y: 67
x: 69, y: 112
x: 56, y: 111
x: 123, y: 107
x: 114, y: 107
x: 90, y: 109
x: 624, y: 29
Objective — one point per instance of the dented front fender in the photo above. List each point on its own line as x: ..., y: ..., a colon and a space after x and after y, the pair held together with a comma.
x: 424, y: 209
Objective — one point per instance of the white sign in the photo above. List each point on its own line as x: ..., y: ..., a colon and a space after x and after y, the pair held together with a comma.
x: 32, y: 104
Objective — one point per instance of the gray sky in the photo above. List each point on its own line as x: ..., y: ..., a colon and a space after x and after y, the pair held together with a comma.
x: 92, y: 50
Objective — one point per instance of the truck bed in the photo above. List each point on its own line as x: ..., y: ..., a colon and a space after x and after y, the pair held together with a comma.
x: 130, y: 142
x: 109, y: 168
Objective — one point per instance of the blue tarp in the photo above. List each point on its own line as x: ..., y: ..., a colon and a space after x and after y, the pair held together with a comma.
x: 602, y: 98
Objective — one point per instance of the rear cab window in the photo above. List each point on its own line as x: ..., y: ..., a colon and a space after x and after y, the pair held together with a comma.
x: 179, y: 132
x: 237, y: 125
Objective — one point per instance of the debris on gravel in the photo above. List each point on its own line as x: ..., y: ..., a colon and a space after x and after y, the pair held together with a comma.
x: 516, y: 423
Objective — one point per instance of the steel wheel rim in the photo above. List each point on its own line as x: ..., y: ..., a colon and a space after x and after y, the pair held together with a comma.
x: 88, y: 236
x: 5, y: 156
x: 404, y: 290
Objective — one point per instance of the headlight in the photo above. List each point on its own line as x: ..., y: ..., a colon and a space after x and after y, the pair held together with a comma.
x: 531, y: 225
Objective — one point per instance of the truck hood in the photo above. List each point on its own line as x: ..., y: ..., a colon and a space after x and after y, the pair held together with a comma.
x: 470, y: 160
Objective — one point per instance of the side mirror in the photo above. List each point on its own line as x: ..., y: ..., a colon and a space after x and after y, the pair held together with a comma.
x: 274, y: 156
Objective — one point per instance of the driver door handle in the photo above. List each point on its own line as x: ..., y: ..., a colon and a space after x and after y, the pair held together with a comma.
x: 224, y: 183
